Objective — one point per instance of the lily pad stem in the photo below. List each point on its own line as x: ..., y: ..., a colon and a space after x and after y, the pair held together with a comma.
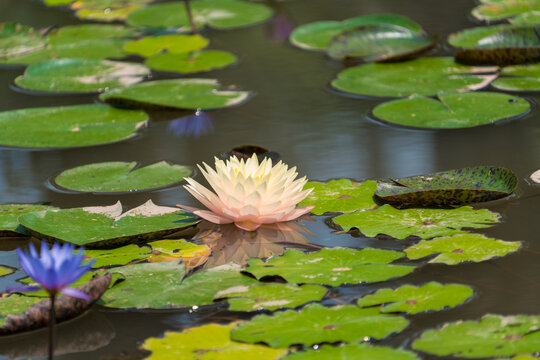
x: 52, y: 318
x: 194, y: 28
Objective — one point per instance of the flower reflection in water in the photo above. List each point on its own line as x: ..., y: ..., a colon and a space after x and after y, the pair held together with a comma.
x: 279, y: 28
x: 194, y: 125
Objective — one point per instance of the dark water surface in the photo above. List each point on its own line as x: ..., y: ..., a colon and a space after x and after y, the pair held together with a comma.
x: 325, y: 135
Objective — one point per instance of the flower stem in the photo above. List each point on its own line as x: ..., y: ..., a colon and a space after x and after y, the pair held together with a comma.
x: 52, y: 318
x: 190, y: 17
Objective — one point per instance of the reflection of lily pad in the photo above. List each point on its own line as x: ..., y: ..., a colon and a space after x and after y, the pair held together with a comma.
x: 331, y: 266
x: 119, y: 176
x: 204, y: 343
x: 106, y: 10
x: 315, y: 323
x: 452, y: 111
x: 217, y: 14
x: 171, y: 43
x: 424, y: 223
x: 519, y: 78
x: 459, y: 248
x: 423, y: 76
x: 493, y: 10
x: 452, y: 187
x: 352, y: 351
x: 9, y: 215
x: 80, y: 75
x: 176, y: 93
x: 493, y: 335
x: 318, y: 35
x: 68, y: 126
x: 341, y: 195
x: 270, y: 296
x: 191, y: 63
x: 417, y: 299
x: 106, y: 225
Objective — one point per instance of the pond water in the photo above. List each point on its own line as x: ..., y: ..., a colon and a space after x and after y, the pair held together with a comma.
x: 324, y: 134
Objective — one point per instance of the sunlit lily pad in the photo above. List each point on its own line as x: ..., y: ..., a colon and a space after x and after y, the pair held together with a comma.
x: 341, y: 195
x: 493, y: 10
x: 17, y: 39
x: 217, y: 14
x: 424, y: 223
x: 106, y: 10
x: 117, y: 176
x: 68, y: 126
x: 527, y: 18
x: 519, y: 78
x: 194, y: 62
x: 315, y: 323
x: 332, y: 266
x: 9, y: 215
x: 176, y: 93
x: 422, y: 76
x: 353, y: 351
x: 171, y: 43
x: 411, y: 299
x: 6, y: 270
x: 207, y: 342
x: 498, y: 45
x: 456, y: 249
x: 106, y: 225
x: 318, y: 35
x: 270, y: 296
x: 378, y: 42
x: 520, y: 357
x: 452, y: 187
x: 80, y: 75
x: 493, y: 335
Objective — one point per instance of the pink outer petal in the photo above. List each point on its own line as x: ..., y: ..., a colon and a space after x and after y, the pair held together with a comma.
x: 247, y: 225
x: 75, y: 293
x: 299, y: 211
x: 212, y: 217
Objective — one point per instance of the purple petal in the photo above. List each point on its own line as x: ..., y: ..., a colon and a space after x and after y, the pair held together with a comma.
x: 75, y: 293
x: 23, y: 288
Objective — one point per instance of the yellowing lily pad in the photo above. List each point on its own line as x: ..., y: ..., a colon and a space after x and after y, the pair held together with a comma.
x: 194, y: 62
x: 9, y: 215
x: 6, y: 270
x: 170, y: 43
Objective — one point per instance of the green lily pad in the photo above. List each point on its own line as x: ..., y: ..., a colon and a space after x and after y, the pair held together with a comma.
x: 527, y: 18
x: 9, y: 215
x: 424, y: 223
x: 193, y: 62
x: 493, y: 10
x: 411, y: 299
x: 207, y: 342
x: 270, y: 296
x: 452, y: 111
x: 171, y: 43
x: 331, y: 266
x: 497, y: 45
x: 80, y: 75
x: 106, y: 10
x: 17, y: 39
x: 68, y: 126
x: 423, y: 76
x: 119, y: 256
x: 453, y: 250
x: 315, y: 323
x: 177, y: 93
x: 519, y: 78
x: 352, y: 351
x: 117, y: 176
x: 6, y: 270
x: 103, y: 226
x: 521, y: 357
x: 318, y: 35
x: 15, y: 304
x: 217, y: 14
x: 165, y: 289
x: 452, y: 187
x: 493, y: 335
x: 73, y: 33
x: 379, y: 42
x: 341, y: 195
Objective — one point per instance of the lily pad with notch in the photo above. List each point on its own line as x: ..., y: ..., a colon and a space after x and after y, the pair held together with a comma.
x: 170, y: 43
x: 198, y: 61
x: 519, y: 78
x: 9, y: 215
x: 352, y: 351
x: 452, y: 187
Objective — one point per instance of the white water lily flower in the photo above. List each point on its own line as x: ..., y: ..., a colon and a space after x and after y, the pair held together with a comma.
x: 249, y: 194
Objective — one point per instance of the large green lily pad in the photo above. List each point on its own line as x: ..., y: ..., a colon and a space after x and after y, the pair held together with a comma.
x: 493, y: 335
x: 270, y: 296
x: 217, y: 14
x: 207, y: 342
x: 341, y: 195
x: 315, y: 323
x: 194, y: 62
x: 424, y: 223
x: 177, y: 93
x: 318, y: 35
x: 410, y: 299
x: 493, y: 10
x: 452, y: 187
x: 331, y: 266
x: 68, y: 126
x: 453, y: 250
x: 9, y: 218
x: 353, y: 351
x: 497, y: 45
x: 103, y: 226
x: 118, y: 176
x: 423, y: 76
x: 80, y: 75
x: 171, y: 43
x: 519, y: 78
